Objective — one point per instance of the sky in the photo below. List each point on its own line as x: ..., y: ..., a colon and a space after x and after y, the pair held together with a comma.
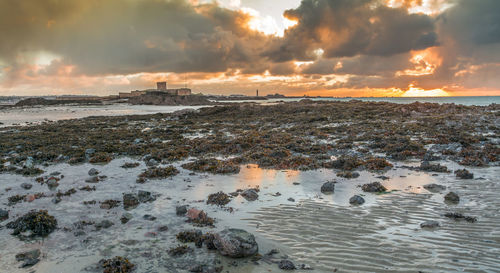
x: 293, y: 47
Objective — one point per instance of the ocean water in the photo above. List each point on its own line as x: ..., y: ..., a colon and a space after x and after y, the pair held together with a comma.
x: 478, y: 101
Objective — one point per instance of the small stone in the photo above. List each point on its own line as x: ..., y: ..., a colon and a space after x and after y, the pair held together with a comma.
x: 93, y: 179
x: 356, y: 200
x: 29, y: 258
x: 286, y: 265
x: 104, y: 224
x: 90, y: 151
x: 52, y: 183
x: 30, y: 198
x: 149, y: 217
x: 452, y: 197
x: 130, y: 201
x: 163, y: 228
x: 181, y: 210
x: 291, y: 199
x: 26, y: 186
x: 430, y: 224
x: 93, y: 172
x: 4, y: 215
x: 56, y: 200
x: 250, y: 194
x: 434, y: 187
x: 152, y: 162
x: 328, y: 187
x: 145, y: 196
x: 126, y: 217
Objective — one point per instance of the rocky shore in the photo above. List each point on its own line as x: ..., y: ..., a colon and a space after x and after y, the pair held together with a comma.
x: 354, y: 140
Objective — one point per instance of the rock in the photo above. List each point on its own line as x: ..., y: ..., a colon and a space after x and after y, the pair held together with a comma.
x: 235, y: 243
x: 126, y: 217
x: 373, y: 187
x: 93, y: 179
x: 286, y: 265
x: 93, y: 172
x: 459, y: 216
x: 4, y: 215
x: 52, y: 183
x: 430, y: 224
x: 250, y: 194
x: 56, y: 200
x: 181, y: 210
x: 130, y: 201
x: 29, y: 163
x: 116, y: 265
x: 162, y: 228
x: 291, y: 199
x: 193, y: 213
x: 152, y: 162
x: 104, y: 224
x: 29, y: 258
x: 434, y: 187
x: 30, y: 198
x: 145, y: 196
x: 40, y: 223
x: 426, y: 166
x: 464, y: 174
x: 452, y: 197
x: 356, y: 200
x: 328, y: 187
x: 26, y: 186
x: 149, y: 217
x: 220, y: 199
x: 90, y: 151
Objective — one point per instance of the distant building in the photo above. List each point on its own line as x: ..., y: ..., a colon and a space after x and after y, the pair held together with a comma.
x: 161, y: 86
x: 257, y: 93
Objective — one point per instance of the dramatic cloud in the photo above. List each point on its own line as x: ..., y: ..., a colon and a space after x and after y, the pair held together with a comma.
x: 330, y: 46
x: 347, y: 28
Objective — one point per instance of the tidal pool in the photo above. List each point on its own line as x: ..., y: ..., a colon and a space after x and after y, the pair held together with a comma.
x: 322, y: 231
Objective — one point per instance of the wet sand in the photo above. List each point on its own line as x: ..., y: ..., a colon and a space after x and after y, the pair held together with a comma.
x: 321, y: 230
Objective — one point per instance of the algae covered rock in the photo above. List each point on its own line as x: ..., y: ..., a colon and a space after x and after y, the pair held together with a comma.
x: 40, y: 223
x: 235, y: 243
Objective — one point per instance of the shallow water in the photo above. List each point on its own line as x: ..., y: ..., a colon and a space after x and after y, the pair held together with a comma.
x: 477, y: 101
x: 21, y: 116
x: 323, y: 231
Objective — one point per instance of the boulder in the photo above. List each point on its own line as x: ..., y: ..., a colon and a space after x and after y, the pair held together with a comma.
x: 235, y: 243
x: 93, y: 172
x: 328, y: 187
x: 286, y: 265
x: 373, y: 187
x: 250, y: 195
x: 464, y: 174
x: 356, y: 200
x: 452, y: 197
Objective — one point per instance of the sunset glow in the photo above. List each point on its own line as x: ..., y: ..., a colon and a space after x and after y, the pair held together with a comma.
x: 331, y: 48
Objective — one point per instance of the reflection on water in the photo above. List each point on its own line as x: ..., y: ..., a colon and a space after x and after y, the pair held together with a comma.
x: 323, y: 231
x: 11, y: 116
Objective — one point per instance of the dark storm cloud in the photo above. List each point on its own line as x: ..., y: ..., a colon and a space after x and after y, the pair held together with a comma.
x: 344, y: 28
x: 121, y: 37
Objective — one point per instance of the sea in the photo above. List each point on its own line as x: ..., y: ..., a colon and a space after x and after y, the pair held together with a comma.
x: 34, y: 115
